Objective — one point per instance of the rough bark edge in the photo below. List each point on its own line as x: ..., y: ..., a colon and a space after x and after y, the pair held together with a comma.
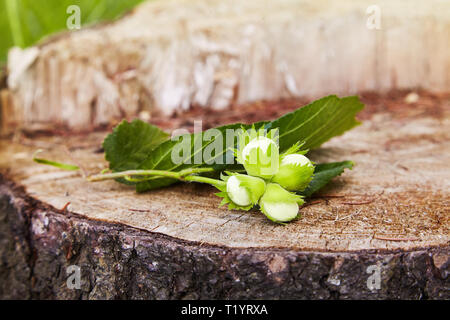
x: 39, y: 242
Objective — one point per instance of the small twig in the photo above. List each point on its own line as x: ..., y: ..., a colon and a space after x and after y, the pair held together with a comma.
x: 347, y: 216
x: 345, y: 195
x: 139, y: 210
x: 359, y: 202
x: 188, y: 225
x: 307, y: 204
x: 236, y: 219
x: 65, y: 206
x: 330, y: 196
x: 153, y: 229
x: 395, y: 239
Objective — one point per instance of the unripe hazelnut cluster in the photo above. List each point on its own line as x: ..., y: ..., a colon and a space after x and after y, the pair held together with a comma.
x: 272, y: 180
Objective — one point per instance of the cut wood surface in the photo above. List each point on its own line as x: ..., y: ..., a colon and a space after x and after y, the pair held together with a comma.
x: 391, y: 210
x: 166, y: 56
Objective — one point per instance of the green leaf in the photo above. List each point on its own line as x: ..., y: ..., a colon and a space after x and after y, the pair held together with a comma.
x: 318, y: 122
x: 323, y: 174
x: 25, y: 22
x: 131, y: 143
x: 312, y: 125
x: 161, y: 157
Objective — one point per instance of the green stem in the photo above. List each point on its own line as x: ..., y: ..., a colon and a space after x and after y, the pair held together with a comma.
x: 186, y: 172
x: 60, y: 165
x: 134, y: 173
x: 216, y: 183
x: 14, y: 22
x: 183, y: 175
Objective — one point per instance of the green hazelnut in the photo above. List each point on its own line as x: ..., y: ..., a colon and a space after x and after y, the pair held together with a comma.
x: 245, y: 190
x: 278, y: 204
x: 295, y: 172
x: 261, y: 157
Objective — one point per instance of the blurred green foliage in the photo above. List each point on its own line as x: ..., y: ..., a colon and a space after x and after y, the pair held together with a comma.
x: 25, y: 22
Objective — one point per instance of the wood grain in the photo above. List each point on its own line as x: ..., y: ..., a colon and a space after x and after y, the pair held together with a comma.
x: 167, y: 56
x: 399, y: 188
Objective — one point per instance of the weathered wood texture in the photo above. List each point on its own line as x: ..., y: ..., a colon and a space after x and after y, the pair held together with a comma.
x: 170, y: 55
x: 392, y: 210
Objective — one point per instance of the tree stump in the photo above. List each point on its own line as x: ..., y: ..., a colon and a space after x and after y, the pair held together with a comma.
x: 166, y: 56
x: 380, y: 231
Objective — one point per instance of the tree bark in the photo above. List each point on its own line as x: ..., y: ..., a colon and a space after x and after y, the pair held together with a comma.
x: 39, y: 243
x: 387, y: 219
